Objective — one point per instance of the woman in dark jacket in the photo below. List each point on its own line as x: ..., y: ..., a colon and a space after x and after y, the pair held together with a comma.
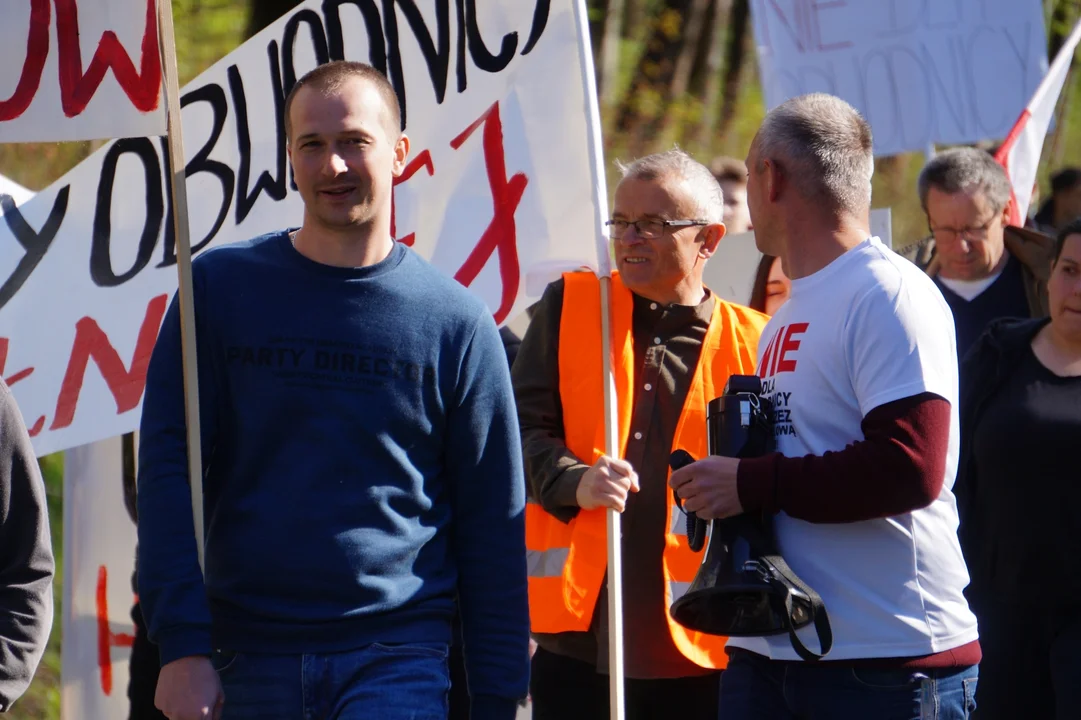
x: 1019, y: 499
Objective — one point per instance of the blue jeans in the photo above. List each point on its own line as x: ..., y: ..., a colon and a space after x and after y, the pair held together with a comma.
x: 756, y: 688
x: 390, y: 682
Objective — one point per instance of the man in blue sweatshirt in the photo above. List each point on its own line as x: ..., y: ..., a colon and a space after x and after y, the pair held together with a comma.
x: 362, y: 468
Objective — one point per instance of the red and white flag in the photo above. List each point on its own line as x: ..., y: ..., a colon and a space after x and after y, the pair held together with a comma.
x: 1020, y: 153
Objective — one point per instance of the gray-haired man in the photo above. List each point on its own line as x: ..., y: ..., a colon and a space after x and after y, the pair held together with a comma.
x: 861, y: 366
x: 985, y: 268
x: 675, y: 344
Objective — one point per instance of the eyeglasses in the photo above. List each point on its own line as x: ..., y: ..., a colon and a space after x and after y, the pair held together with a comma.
x: 972, y: 234
x: 649, y: 229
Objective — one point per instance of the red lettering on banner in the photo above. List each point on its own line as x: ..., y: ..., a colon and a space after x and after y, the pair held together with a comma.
x: 501, y: 234
x: 107, y: 639
x: 37, y: 49
x: 91, y: 342
x: 423, y: 160
x: 11, y: 379
x: 143, y: 86
x: 790, y: 344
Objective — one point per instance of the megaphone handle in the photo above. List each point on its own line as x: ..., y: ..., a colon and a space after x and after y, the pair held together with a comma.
x: 818, y: 612
x: 696, y: 527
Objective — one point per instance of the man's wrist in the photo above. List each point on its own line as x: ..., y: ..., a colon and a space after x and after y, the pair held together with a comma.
x: 756, y: 483
x: 564, y: 489
x: 183, y: 642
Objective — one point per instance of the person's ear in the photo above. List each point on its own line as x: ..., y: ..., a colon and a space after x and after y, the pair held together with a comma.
x: 710, y: 238
x: 775, y: 179
x: 401, y: 154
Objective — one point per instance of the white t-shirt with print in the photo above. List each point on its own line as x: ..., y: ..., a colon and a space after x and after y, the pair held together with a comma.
x: 868, y: 329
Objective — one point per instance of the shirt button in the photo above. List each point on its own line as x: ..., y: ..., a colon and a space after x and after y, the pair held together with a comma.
x: 656, y: 341
x: 649, y: 386
x: 638, y: 436
x: 653, y: 306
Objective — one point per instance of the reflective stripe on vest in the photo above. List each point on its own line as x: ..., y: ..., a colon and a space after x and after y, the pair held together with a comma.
x: 563, y: 599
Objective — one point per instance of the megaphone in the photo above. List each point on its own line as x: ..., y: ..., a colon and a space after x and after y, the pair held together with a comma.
x: 744, y: 588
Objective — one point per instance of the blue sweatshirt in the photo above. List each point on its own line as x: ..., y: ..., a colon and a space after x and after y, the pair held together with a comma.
x: 361, y: 468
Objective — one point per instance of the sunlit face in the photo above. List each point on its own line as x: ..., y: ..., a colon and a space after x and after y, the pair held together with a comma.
x: 756, y: 192
x: 737, y: 218
x: 968, y: 233
x: 344, y: 154
x: 655, y: 268
x: 1064, y: 289
x: 778, y: 287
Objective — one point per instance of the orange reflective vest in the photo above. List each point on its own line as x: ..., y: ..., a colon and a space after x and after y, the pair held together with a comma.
x: 567, y: 562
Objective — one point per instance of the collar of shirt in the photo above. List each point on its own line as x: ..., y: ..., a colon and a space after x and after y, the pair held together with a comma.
x: 670, y: 317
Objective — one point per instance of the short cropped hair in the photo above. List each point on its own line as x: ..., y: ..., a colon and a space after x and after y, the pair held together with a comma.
x: 693, y: 175
x: 825, y: 146
x: 329, y: 77
x: 965, y: 170
x: 729, y: 169
x: 1071, y: 228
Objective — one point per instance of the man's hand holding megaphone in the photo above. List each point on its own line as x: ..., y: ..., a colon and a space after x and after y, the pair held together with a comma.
x: 709, y: 487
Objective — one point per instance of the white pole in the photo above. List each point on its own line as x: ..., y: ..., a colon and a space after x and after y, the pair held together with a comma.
x: 183, y: 267
x: 615, y: 534
x: 611, y: 442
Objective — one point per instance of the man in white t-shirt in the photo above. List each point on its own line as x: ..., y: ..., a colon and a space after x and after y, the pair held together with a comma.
x: 861, y: 366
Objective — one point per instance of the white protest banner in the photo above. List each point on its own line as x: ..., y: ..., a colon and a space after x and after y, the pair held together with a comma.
x: 498, y: 192
x: 99, y: 555
x: 14, y: 190
x: 79, y: 70
x: 920, y: 71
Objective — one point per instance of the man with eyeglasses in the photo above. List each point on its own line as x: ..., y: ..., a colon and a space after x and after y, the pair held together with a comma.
x: 985, y: 268
x: 674, y: 345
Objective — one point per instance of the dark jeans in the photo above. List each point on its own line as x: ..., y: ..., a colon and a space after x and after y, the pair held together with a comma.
x: 1031, y: 667
x: 566, y: 689
x: 459, y: 691
x: 757, y: 688
x: 389, y: 682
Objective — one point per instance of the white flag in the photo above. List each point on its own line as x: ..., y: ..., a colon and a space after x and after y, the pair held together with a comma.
x: 1020, y: 153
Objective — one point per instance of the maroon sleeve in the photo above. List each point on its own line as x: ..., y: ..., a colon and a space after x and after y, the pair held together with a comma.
x: 898, y: 467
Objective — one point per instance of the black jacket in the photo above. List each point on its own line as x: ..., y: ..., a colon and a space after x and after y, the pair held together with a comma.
x: 985, y: 369
x: 26, y: 556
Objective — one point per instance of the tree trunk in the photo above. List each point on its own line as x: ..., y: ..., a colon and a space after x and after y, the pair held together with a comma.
x: 646, y: 100
x: 263, y: 12
x: 694, y: 22
x: 737, y: 45
x: 634, y: 17
x: 711, y: 94
x: 610, y: 49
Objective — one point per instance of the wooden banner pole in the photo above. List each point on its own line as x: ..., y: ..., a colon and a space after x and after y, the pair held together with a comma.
x: 177, y: 165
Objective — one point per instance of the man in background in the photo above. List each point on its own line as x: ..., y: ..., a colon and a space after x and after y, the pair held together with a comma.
x: 731, y: 174
x: 985, y: 268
